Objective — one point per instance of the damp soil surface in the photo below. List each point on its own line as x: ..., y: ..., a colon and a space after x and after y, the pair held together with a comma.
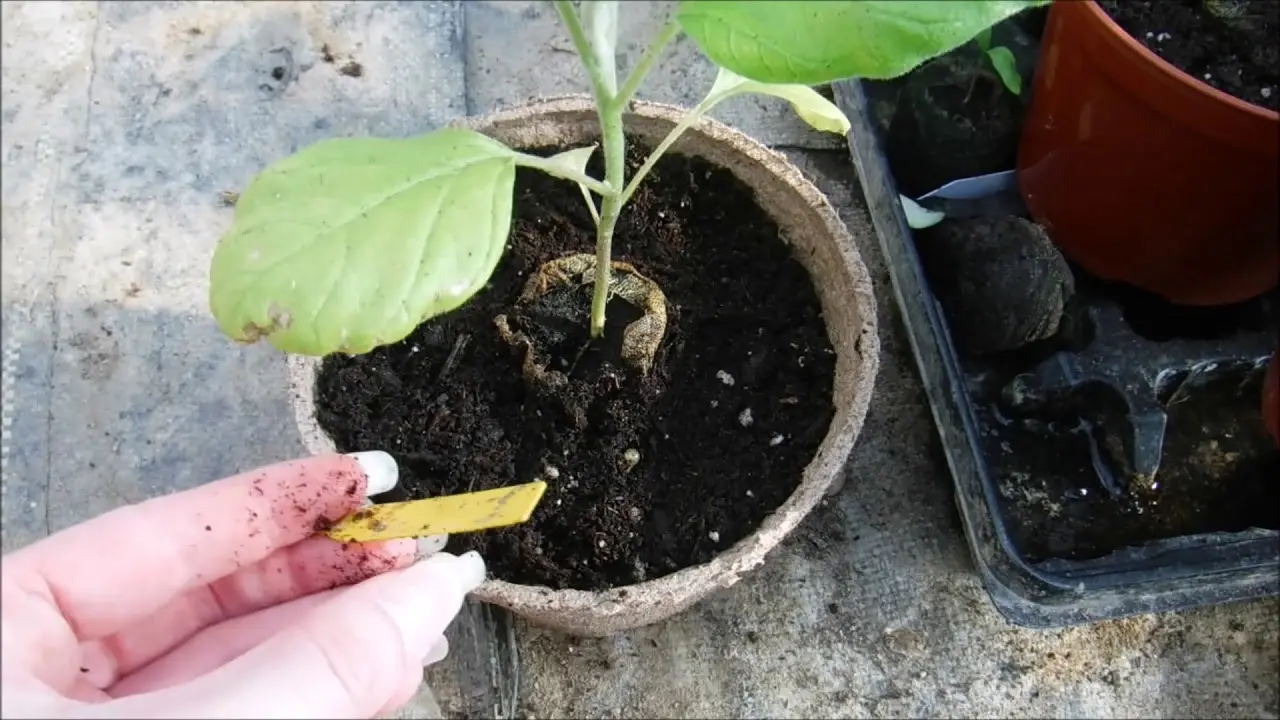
x: 1234, y: 48
x: 1219, y: 471
x: 647, y: 473
x: 1062, y: 465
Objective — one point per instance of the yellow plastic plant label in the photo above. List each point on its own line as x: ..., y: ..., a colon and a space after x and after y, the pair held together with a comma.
x: 469, y: 512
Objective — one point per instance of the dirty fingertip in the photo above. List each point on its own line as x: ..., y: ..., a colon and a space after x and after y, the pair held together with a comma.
x: 379, y: 468
x: 430, y: 545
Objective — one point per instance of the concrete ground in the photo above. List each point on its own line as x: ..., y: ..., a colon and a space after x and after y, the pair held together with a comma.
x: 122, y: 122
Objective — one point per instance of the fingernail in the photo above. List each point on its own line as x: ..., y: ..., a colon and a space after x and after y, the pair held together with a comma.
x: 472, y: 570
x: 437, y: 653
x: 424, y: 598
x: 379, y: 468
x: 430, y: 545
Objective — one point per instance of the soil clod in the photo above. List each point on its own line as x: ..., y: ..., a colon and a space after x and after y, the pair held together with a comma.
x: 954, y: 119
x: 1001, y: 281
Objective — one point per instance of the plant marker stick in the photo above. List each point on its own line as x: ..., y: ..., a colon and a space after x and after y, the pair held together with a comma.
x: 469, y: 512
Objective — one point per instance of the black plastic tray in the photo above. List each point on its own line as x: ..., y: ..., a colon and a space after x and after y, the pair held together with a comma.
x: 1176, y: 573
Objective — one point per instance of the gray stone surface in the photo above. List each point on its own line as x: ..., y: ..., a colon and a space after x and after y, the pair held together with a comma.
x: 121, y: 124
x: 516, y: 50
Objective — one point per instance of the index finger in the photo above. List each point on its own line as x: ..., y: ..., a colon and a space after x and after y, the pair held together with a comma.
x: 119, y: 568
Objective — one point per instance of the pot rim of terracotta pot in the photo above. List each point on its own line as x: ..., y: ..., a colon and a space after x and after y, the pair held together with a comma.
x: 821, y: 243
x: 1172, y: 75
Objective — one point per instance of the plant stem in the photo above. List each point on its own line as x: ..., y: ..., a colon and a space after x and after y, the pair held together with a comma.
x: 587, y: 54
x: 685, y: 123
x: 650, y: 56
x: 609, y: 108
x: 591, y: 205
x: 973, y: 82
x: 615, y: 149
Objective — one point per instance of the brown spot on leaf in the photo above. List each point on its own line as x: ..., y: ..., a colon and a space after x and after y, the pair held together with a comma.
x: 279, y: 319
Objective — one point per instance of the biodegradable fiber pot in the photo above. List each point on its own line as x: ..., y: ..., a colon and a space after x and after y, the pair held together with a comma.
x: 820, y: 242
x: 1144, y: 174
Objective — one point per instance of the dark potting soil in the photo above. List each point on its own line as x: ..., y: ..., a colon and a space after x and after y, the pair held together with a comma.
x: 1001, y: 281
x: 953, y: 119
x: 1060, y: 454
x: 1066, y: 483
x: 1218, y: 472
x: 1233, y: 48
x: 733, y: 409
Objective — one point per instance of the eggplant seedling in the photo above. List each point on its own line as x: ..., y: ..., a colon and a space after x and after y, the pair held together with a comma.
x: 351, y: 243
x: 1002, y: 61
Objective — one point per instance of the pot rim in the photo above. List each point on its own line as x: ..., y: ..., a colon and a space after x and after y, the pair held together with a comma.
x: 823, y: 471
x: 1127, y: 43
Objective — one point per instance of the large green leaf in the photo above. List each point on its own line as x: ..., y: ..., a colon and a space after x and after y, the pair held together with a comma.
x: 810, y: 43
x: 351, y: 243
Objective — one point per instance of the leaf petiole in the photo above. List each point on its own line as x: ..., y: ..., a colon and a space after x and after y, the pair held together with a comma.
x: 555, y: 169
x: 642, y: 68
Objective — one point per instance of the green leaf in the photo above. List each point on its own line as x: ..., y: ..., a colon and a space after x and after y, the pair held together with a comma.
x: 814, y: 109
x: 814, y: 42
x: 1006, y: 67
x: 351, y: 243
x: 574, y: 160
x: 983, y: 39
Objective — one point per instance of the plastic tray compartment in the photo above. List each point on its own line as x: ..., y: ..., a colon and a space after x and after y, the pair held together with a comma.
x: 1039, y: 588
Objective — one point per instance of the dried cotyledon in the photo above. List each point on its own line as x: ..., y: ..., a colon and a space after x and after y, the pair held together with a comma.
x: 640, y: 339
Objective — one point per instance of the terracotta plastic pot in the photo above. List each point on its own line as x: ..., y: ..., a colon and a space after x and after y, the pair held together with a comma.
x: 1271, y: 397
x: 1144, y: 174
x: 820, y: 242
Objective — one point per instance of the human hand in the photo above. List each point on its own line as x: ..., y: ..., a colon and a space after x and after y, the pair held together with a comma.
x: 222, y: 602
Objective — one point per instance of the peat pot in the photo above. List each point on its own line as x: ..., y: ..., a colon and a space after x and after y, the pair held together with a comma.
x: 1144, y: 174
x: 823, y: 246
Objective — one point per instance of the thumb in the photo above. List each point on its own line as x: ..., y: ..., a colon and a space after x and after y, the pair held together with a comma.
x: 349, y: 657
